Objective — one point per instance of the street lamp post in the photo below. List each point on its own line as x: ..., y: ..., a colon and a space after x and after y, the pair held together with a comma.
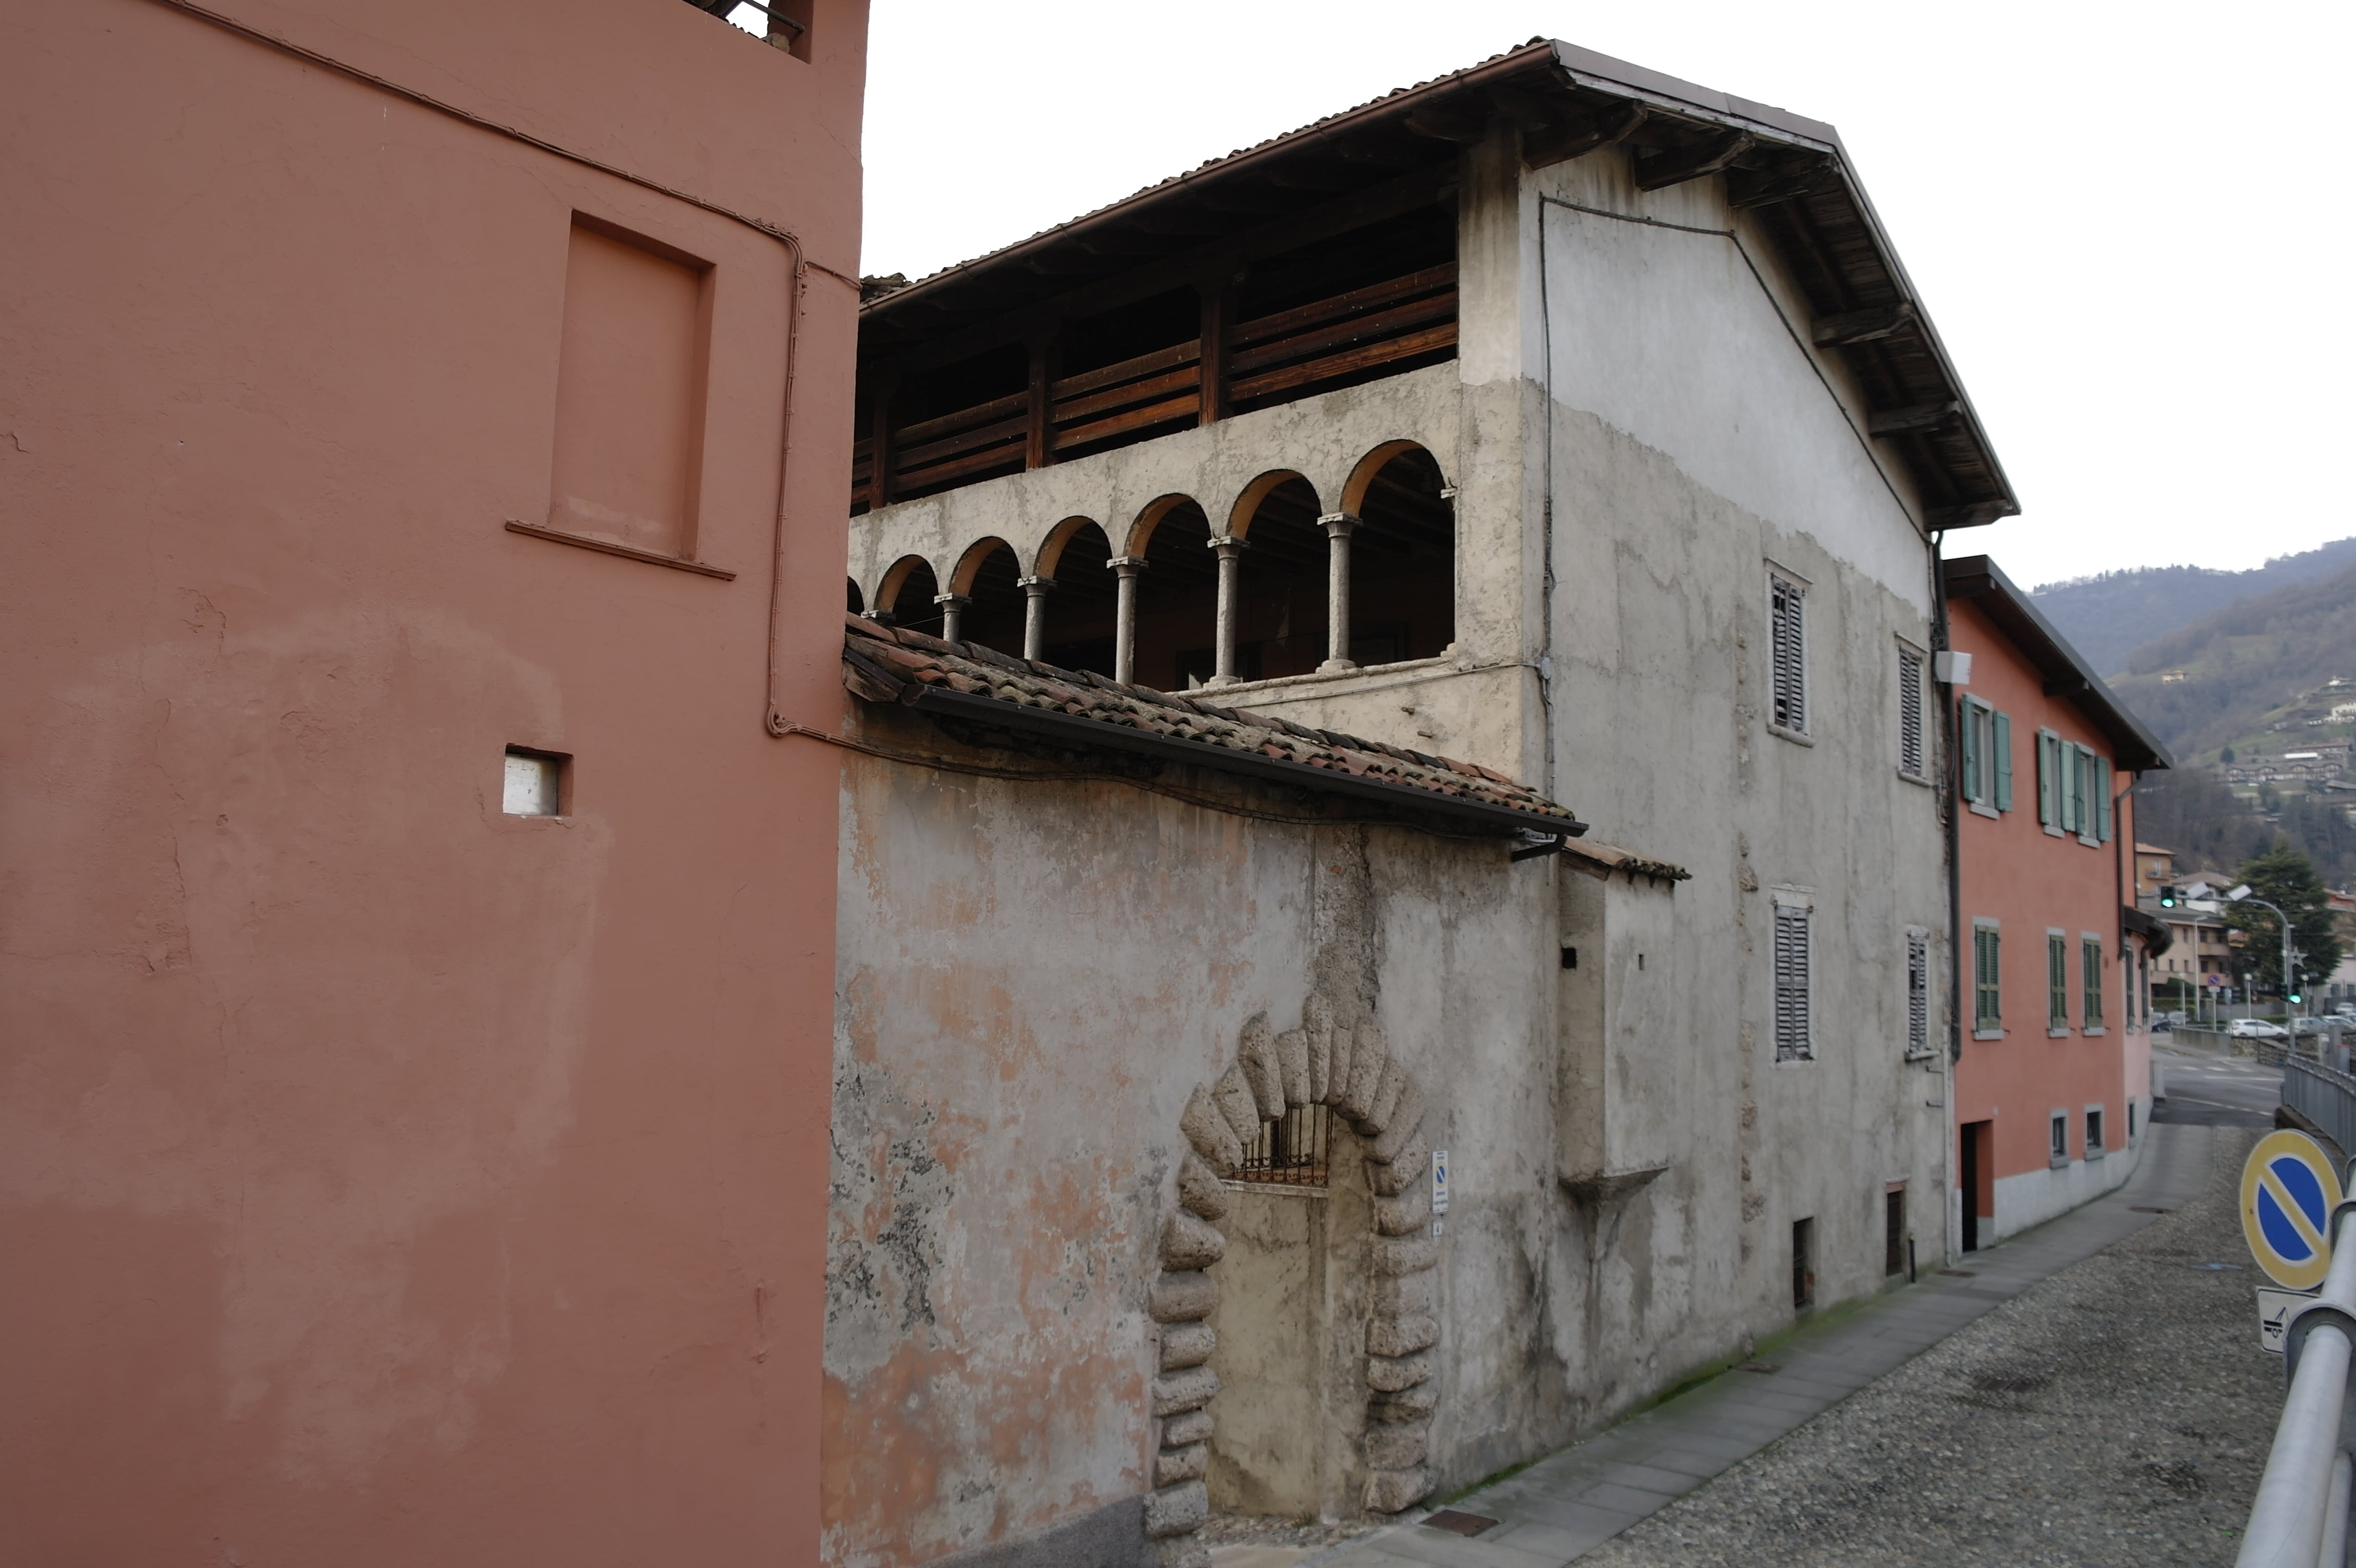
x: 2290, y: 955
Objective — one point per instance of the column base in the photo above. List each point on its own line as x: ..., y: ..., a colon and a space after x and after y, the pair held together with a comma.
x: 1337, y: 666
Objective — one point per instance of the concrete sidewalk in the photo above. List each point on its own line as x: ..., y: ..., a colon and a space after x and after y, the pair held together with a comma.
x: 1566, y: 1504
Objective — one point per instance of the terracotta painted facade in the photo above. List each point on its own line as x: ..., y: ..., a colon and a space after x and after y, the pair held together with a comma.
x: 2076, y: 1051
x: 387, y: 1176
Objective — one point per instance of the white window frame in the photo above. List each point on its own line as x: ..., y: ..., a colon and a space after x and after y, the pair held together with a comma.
x: 1782, y: 580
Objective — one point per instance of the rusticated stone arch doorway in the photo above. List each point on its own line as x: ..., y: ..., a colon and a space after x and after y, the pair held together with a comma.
x: 1347, y: 1065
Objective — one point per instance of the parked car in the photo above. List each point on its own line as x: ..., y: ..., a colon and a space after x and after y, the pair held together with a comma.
x: 2257, y: 1029
x: 2305, y: 1027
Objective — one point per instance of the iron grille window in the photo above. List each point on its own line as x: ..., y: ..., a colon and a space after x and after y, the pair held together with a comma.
x: 2059, y: 1149
x: 2057, y: 983
x: 1289, y: 1151
x: 1918, y: 994
x: 1788, y: 646
x: 1893, y: 1233
x: 1987, y: 1009
x: 2090, y: 964
x: 1803, y: 1265
x: 1909, y: 713
x: 1792, y: 1042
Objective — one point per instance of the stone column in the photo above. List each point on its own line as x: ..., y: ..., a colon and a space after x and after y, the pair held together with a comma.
x: 1338, y: 526
x: 1231, y: 552
x: 1034, y: 614
x: 1124, y: 619
x: 952, y: 614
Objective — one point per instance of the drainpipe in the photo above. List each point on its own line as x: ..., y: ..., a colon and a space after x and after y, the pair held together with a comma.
x: 1949, y: 793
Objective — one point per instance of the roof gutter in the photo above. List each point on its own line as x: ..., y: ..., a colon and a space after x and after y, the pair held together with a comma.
x: 1502, y: 821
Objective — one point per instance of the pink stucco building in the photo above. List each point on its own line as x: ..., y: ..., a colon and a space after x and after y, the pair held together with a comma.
x: 424, y: 437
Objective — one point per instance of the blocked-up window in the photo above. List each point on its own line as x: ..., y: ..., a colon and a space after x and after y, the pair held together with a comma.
x: 1910, y: 751
x: 1987, y: 1009
x: 630, y: 392
x: 1792, y: 1037
x: 2057, y: 981
x: 2090, y: 965
x: 1788, y: 653
x: 1918, y: 994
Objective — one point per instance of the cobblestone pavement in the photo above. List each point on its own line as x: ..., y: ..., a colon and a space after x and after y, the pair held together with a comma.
x: 2119, y: 1413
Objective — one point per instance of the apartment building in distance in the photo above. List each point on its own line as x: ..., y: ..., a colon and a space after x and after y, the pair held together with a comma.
x: 2053, y: 1088
x: 418, y: 933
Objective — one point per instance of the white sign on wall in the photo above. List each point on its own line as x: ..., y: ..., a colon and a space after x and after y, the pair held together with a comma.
x: 1439, y: 1181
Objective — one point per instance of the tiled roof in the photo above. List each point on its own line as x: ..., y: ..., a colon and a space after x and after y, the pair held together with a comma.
x: 882, y: 664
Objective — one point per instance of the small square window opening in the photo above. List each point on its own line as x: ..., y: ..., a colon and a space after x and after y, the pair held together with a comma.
x: 534, y: 784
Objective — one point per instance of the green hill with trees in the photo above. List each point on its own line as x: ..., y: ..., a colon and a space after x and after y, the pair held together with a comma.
x: 2108, y: 615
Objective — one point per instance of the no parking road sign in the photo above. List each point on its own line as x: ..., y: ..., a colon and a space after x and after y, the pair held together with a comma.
x: 2288, y: 1189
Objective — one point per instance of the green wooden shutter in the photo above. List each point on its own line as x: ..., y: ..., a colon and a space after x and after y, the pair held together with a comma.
x: 2102, y: 798
x: 2070, y: 794
x: 1971, y: 769
x: 2046, y: 798
x: 2000, y: 743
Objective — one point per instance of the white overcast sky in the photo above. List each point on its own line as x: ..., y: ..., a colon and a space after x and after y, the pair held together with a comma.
x: 2130, y: 222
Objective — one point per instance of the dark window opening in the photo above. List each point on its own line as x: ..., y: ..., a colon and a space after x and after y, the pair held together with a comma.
x: 1571, y: 958
x: 1289, y: 1151
x: 1803, y: 1265
x: 994, y: 616
x: 1177, y: 595
x: 2059, y: 1140
x: 2094, y: 1133
x: 1080, y: 607
x: 1403, y: 564
x: 1893, y: 1233
x: 856, y: 602
x: 913, y: 605
x: 1280, y: 593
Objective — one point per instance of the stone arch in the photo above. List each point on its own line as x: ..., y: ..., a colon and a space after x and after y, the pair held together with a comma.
x: 1362, y: 478
x: 1247, y: 507
x: 896, y: 581
x: 1350, y: 1067
x: 969, y: 565
x: 1140, y: 532
x: 1050, y: 550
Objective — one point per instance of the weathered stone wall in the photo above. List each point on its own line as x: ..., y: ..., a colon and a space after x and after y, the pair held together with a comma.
x: 1044, y: 987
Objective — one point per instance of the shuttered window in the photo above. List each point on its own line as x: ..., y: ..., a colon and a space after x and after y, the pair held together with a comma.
x: 1987, y: 755
x: 2091, y: 966
x: 1909, y: 713
x: 1918, y: 994
x: 1792, y: 1042
x: 2098, y: 776
x: 1787, y: 650
x: 2056, y: 981
x: 2048, y: 779
x: 1988, y: 1010
x: 2000, y: 750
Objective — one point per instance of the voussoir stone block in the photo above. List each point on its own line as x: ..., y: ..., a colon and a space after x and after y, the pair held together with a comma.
x: 1387, y: 1098
x: 1406, y: 1404
x: 1207, y: 1128
x: 1190, y: 1390
x: 1182, y: 1552
x: 1261, y: 1071
x: 1188, y: 1242
x: 1175, y: 1511
x: 1321, y: 1063
x: 1388, y: 1491
x: 1367, y: 1064
x: 1337, y: 1065
x: 1401, y: 1335
x: 1399, y: 1126
x: 1186, y: 1428
x: 1173, y: 1465
x: 1199, y: 1187
x: 1181, y: 1298
x: 1408, y: 1164
x: 1405, y: 1296
x: 1404, y: 1214
x: 1404, y: 1254
x: 1292, y: 1066
x: 1395, y: 1445
x: 1388, y: 1374
x: 1239, y: 1104
x: 1187, y: 1345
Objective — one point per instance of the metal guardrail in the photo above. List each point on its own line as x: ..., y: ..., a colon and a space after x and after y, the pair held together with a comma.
x: 2301, y: 1516
x: 2325, y: 1098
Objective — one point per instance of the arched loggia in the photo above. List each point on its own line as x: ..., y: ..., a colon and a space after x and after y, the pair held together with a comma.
x: 984, y: 602
x: 1400, y: 582
x: 1175, y: 581
x: 1280, y: 579
x: 1072, y: 597
x: 909, y: 594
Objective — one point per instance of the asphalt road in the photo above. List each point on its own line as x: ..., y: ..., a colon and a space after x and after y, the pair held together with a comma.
x: 2216, y: 1091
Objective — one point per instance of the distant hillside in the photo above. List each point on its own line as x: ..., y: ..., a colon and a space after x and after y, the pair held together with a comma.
x: 2256, y: 676
x: 2109, y: 615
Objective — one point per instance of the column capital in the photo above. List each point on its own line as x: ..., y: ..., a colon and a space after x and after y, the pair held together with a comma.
x: 1127, y: 565
x: 953, y: 601
x: 1228, y: 543
x: 1338, y: 524
x: 1034, y: 585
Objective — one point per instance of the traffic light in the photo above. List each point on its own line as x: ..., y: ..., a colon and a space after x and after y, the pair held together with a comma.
x: 2296, y: 999
x: 2168, y: 896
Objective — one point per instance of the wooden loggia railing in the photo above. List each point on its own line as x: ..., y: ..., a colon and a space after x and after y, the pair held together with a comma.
x: 1271, y: 359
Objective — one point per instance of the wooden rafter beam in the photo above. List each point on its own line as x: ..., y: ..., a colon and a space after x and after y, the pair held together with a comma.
x: 1658, y: 171
x: 1914, y: 416
x: 1972, y: 514
x: 1753, y: 187
x: 1864, y: 326
x: 1445, y: 125
x: 1566, y: 142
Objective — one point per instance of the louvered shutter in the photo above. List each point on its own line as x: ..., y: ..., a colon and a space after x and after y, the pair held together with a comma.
x: 2102, y: 798
x: 2048, y: 791
x: 2000, y: 743
x: 1790, y: 983
x: 1909, y: 713
x: 1918, y: 993
x: 1787, y: 648
x: 1967, y: 729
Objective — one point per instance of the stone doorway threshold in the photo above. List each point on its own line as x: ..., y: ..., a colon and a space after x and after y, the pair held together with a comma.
x: 1565, y: 1505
